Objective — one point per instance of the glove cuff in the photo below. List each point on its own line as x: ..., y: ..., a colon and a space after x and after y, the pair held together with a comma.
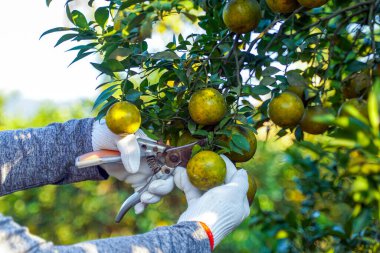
x: 102, y: 137
x: 209, y: 234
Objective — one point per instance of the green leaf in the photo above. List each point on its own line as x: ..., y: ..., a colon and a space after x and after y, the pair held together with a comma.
x: 104, y: 95
x: 68, y: 11
x: 132, y: 95
x: 374, y: 109
x: 105, y: 107
x: 165, y: 55
x: 102, y: 68
x: 81, y: 55
x: 65, y: 38
x: 196, y: 149
x: 260, y: 90
x: 181, y: 75
x: 113, y: 65
x: 299, y: 134
x: 48, y: 2
x: 90, y: 3
x: 79, y: 19
x: 101, y: 16
x: 129, y: 3
x: 266, y: 81
x: 240, y: 141
x: 295, y: 78
x: 270, y: 71
x: 58, y: 29
x: 191, y: 126
x: 356, y: 66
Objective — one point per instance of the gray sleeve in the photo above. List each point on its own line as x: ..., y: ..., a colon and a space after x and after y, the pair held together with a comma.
x: 185, y: 237
x: 40, y: 156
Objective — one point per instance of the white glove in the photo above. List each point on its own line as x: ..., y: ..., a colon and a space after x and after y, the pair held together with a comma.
x: 222, y: 208
x: 133, y: 169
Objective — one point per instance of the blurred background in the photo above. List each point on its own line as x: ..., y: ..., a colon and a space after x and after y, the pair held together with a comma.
x: 301, y: 205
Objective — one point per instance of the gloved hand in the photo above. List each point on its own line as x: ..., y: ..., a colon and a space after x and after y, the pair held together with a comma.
x: 222, y: 208
x: 133, y: 169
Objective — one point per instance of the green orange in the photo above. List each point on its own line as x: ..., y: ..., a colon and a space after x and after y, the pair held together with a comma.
x: 186, y: 138
x: 309, y: 124
x: 298, y: 89
x: 356, y: 85
x: 206, y: 170
x: 252, y: 188
x: 282, y: 6
x: 123, y: 118
x: 242, y: 16
x: 312, y: 3
x: 359, y: 104
x: 286, y: 110
x: 207, y: 106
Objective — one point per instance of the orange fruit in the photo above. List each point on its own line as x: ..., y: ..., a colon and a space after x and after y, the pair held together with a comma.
x: 249, y: 136
x: 207, y: 106
x: 282, y: 6
x: 356, y: 85
x: 123, y: 118
x: 242, y: 16
x: 312, y: 3
x: 206, y: 170
x: 186, y: 138
x: 299, y: 90
x: 286, y: 110
x: 252, y: 188
x: 309, y: 124
x: 359, y: 104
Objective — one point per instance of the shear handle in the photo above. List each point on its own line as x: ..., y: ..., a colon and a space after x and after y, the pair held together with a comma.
x: 134, y: 199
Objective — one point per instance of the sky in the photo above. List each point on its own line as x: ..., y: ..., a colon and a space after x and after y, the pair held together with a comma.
x: 34, y: 68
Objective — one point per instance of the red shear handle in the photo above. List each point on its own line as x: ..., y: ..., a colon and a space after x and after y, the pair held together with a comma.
x: 97, y: 158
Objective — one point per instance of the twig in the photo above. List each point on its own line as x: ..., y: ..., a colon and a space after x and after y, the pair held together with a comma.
x: 282, y: 27
x: 238, y: 80
x: 264, y: 32
x: 233, y: 48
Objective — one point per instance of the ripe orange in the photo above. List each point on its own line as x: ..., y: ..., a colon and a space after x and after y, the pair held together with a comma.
x: 242, y: 16
x: 207, y: 106
x: 123, y: 118
x: 252, y: 188
x: 312, y: 3
x: 286, y: 110
x: 186, y: 138
x: 356, y: 85
x: 359, y: 104
x: 249, y: 136
x: 282, y: 6
x: 206, y: 170
x: 308, y: 123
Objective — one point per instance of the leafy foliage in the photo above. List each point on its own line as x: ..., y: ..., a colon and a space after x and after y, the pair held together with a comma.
x: 337, y: 174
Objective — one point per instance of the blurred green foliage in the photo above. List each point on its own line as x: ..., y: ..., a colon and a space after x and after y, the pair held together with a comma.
x: 315, y: 194
x: 306, y: 200
x: 83, y: 211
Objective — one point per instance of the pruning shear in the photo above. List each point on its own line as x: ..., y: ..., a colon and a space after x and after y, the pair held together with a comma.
x: 161, y: 158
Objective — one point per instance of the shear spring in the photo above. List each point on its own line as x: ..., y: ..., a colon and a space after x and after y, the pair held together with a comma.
x: 153, y: 163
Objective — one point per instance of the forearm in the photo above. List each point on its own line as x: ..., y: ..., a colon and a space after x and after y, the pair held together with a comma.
x: 40, y: 156
x: 182, y: 238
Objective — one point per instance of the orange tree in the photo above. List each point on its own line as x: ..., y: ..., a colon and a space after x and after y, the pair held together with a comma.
x: 309, y: 67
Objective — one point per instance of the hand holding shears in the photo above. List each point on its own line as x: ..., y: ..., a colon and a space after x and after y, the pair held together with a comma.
x: 161, y: 160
